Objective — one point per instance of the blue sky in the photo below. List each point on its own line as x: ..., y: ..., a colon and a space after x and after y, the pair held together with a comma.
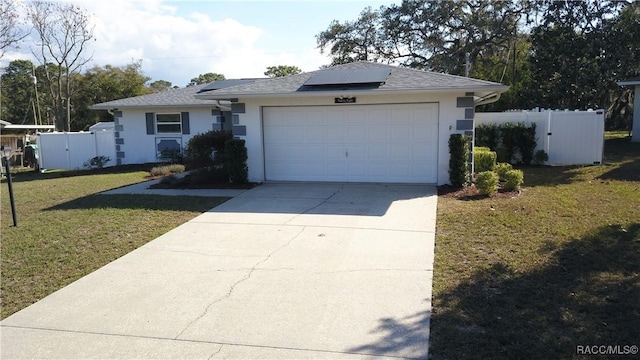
x: 177, y: 40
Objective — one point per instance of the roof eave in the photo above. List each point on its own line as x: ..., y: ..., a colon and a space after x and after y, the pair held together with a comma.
x: 628, y: 83
x: 146, y: 106
x: 222, y: 96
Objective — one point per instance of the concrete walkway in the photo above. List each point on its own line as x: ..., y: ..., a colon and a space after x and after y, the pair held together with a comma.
x: 335, y: 271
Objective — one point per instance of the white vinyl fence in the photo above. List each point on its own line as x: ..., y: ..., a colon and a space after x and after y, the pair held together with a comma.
x: 569, y: 137
x: 71, y: 150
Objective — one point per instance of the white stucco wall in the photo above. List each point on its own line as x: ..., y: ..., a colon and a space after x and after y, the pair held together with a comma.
x: 139, y: 147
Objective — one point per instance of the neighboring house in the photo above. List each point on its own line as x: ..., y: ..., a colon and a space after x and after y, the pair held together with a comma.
x: 358, y: 122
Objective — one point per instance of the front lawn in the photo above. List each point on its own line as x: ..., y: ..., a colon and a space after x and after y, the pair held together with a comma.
x: 539, y: 275
x: 66, y: 230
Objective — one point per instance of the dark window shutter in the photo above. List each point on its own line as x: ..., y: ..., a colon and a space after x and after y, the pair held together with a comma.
x: 151, y: 126
x: 185, y: 123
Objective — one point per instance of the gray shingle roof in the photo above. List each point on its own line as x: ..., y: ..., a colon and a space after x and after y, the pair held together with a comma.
x: 170, y: 98
x: 400, y: 79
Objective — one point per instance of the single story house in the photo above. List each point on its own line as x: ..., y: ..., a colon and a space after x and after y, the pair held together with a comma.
x: 357, y: 122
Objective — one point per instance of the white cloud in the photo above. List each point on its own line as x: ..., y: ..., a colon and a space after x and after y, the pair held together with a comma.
x: 177, y: 48
x: 171, y: 48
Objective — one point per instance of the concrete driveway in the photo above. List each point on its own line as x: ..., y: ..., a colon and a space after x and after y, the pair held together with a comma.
x: 280, y: 271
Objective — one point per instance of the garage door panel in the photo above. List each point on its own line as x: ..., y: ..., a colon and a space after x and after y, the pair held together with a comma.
x: 314, y: 153
x: 316, y: 134
x: 378, y: 133
x: 357, y: 169
x: 336, y: 137
x: 401, y: 170
x: 422, y: 152
x: 336, y: 152
x: 336, y: 170
x: 378, y: 117
x: 402, y: 117
x: 283, y: 152
x: 356, y: 118
x: 379, y: 153
x: 315, y: 118
x: 400, y: 152
x: 356, y: 134
x: 364, y: 143
x: 357, y: 153
x: 401, y: 134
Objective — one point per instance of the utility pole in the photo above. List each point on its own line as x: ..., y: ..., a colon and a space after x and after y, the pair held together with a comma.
x: 466, y: 65
x: 34, y: 80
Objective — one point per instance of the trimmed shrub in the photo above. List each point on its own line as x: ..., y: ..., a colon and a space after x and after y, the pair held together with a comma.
x: 508, y: 136
x: 501, y: 169
x: 209, y: 175
x: 540, y: 157
x: 172, y: 156
x: 458, y: 157
x: 513, y: 179
x: 166, y: 170
x: 487, y: 183
x: 235, y: 154
x: 483, y: 159
x: 526, y: 141
x: 503, y: 155
x: 97, y: 162
x: 512, y: 142
x: 198, y: 152
x: 487, y: 135
x: 170, y: 180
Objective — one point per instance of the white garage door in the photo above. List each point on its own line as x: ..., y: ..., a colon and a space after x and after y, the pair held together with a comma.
x: 355, y: 143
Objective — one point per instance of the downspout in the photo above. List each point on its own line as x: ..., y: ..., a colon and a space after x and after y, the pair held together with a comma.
x: 483, y: 100
x: 487, y: 99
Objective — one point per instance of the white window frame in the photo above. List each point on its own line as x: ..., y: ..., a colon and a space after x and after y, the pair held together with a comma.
x: 158, y: 123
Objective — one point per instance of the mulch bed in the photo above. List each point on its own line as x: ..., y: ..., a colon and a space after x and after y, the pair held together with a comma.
x: 472, y: 193
x: 184, y: 183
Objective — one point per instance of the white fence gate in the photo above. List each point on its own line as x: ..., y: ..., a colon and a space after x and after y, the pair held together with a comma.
x: 569, y: 137
x: 70, y: 151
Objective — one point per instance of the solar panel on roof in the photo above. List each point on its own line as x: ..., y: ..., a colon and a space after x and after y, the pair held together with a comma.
x: 341, y: 77
x: 221, y: 84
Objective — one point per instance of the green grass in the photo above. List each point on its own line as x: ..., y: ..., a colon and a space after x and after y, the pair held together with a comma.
x: 535, y: 276
x: 66, y: 230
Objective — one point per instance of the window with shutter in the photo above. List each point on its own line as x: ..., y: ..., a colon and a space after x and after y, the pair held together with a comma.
x: 185, y: 123
x: 168, y: 123
x: 151, y: 127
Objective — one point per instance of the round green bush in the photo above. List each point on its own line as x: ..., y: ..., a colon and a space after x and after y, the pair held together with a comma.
x: 513, y: 179
x: 487, y: 183
x: 198, y: 153
x: 540, y: 157
x: 484, y: 159
x: 502, y: 168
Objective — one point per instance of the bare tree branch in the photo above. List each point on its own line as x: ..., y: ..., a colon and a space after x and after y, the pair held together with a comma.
x: 64, y: 32
x: 10, y: 32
